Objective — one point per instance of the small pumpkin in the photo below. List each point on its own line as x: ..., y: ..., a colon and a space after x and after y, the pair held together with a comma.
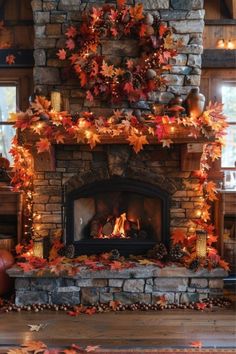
x: 4, y: 163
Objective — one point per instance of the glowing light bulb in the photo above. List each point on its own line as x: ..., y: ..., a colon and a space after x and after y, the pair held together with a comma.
x: 230, y: 45
x: 220, y: 44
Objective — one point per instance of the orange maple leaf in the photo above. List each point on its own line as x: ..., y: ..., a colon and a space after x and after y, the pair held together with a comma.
x: 116, y: 265
x: 121, y: 3
x: 71, y: 32
x: 137, y: 141
x: 10, y: 59
x: 162, y: 301
x: 59, y: 137
x: 92, y: 138
x: 107, y: 70
x: 34, y: 346
x: 196, y: 344
x: 137, y: 12
x: 224, y: 265
x: 178, y: 236
x: 211, y: 190
x: 114, y: 304
x: 61, y: 54
x: 43, y: 145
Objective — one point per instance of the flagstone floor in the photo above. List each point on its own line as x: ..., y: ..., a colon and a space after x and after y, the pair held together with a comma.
x: 162, y: 329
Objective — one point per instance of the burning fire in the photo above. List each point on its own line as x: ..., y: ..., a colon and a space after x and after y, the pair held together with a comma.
x: 120, y: 228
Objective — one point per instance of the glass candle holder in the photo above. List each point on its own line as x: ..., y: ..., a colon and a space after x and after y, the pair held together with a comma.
x: 201, y: 244
x: 38, y: 248
x: 56, y: 100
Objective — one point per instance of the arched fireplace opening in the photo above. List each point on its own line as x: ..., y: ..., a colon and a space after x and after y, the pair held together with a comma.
x: 119, y: 213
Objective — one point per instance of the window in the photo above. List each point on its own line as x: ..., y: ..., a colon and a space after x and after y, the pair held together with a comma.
x: 8, y: 101
x: 229, y: 101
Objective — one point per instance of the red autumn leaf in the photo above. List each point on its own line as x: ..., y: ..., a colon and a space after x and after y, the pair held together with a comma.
x: 10, y: 59
x: 71, y: 32
x: 73, y: 58
x: 143, y: 29
x: 178, y: 236
x: 129, y: 64
x: 113, y: 15
x: 96, y: 14
x: 128, y: 87
x: 200, y: 306
x: 196, y: 344
x: 114, y: 32
x: 121, y: 3
x: 19, y: 248
x: 137, y: 12
x: 89, y: 96
x: 61, y: 54
x: 70, y: 44
x: 162, y: 29
x: 43, y: 145
x: 83, y: 78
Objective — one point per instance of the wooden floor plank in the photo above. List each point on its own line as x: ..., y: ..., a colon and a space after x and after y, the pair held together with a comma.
x: 170, y: 328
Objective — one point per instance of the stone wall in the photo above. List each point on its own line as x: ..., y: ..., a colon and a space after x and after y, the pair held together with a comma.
x: 52, y: 17
x: 140, y: 284
x: 77, y: 165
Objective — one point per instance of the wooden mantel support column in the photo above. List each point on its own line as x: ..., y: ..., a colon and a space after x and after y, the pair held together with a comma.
x: 44, y: 161
x: 191, y: 154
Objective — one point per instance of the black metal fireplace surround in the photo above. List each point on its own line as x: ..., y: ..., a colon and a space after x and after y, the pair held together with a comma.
x: 92, y: 210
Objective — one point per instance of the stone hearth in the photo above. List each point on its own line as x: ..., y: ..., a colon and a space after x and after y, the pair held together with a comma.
x: 139, y: 284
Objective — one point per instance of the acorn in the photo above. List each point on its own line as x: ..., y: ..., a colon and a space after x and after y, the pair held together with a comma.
x: 149, y: 19
x: 151, y: 74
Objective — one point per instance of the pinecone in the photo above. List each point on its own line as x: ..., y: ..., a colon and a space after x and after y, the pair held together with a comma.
x: 176, y: 253
x: 70, y: 251
x: 159, y: 251
x: 115, y: 254
x: 194, y: 264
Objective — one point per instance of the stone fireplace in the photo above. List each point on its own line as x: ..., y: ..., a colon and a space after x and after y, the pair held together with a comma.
x: 110, y: 197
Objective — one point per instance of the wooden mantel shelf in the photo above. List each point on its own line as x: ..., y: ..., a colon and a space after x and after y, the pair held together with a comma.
x: 191, y: 148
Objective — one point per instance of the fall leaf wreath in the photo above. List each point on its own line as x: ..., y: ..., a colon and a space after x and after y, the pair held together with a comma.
x: 134, y: 78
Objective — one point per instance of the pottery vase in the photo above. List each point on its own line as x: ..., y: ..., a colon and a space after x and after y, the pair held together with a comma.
x: 195, y: 103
